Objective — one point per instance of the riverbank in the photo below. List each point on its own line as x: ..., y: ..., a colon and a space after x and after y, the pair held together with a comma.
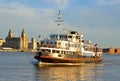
x: 16, y: 50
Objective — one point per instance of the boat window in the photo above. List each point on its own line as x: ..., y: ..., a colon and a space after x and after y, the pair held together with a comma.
x: 55, y: 42
x: 43, y: 50
x: 65, y: 36
x: 67, y: 52
x: 47, y: 50
x: 56, y: 36
x: 61, y: 36
x: 53, y: 51
x: 77, y: 37
x: 51, y: 42
x: 74, y: 32
x: 57, y: 51
x: 59, y: 43
x: 69, y: 36
x: 88, y: 48
x: 74, y: 52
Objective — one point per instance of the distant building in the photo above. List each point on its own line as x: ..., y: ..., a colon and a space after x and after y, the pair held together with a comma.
x: 117, y: 50
x: 111, y: 50
x: 16, y: 42
x: 33, y: 44
x: 2, y: 41
x: 105, y: 50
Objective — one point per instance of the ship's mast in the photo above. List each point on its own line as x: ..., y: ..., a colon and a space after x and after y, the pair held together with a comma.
x: 59, y: 22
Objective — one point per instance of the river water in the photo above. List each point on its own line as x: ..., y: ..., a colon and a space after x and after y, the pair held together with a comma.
x: 20, y: 66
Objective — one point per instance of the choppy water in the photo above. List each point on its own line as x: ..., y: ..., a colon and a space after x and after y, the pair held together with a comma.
x: 23, y: 67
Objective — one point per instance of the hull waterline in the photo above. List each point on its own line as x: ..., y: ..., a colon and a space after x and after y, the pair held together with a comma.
x: 49, y: 59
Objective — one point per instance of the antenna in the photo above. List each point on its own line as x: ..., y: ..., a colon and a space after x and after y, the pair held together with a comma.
x: 59, y: 22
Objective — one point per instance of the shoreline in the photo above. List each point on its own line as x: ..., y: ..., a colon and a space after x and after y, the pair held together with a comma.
x: 111, y: 53
x: 18, y: 51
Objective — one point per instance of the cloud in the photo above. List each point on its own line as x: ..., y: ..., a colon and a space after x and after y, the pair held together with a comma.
x: 98, y: 24
x: 18, y: 16
x: 95, y: 23
x: 14, y: 9
x: 18, y: 10
x: 62, y: 4
x: 109, y: 2
x: 22, y: 10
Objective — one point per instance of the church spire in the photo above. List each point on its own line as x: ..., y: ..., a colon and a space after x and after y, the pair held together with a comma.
x: 10, y: 34
x: 23, y: 31
x: 23, y: 34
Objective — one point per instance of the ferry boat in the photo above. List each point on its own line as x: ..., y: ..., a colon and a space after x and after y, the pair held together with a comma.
x: 67, y: 48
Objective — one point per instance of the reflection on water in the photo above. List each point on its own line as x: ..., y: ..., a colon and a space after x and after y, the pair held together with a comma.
x: 89, y: 72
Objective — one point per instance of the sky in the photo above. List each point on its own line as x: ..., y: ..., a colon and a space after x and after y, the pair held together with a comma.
x: 97, y: 20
